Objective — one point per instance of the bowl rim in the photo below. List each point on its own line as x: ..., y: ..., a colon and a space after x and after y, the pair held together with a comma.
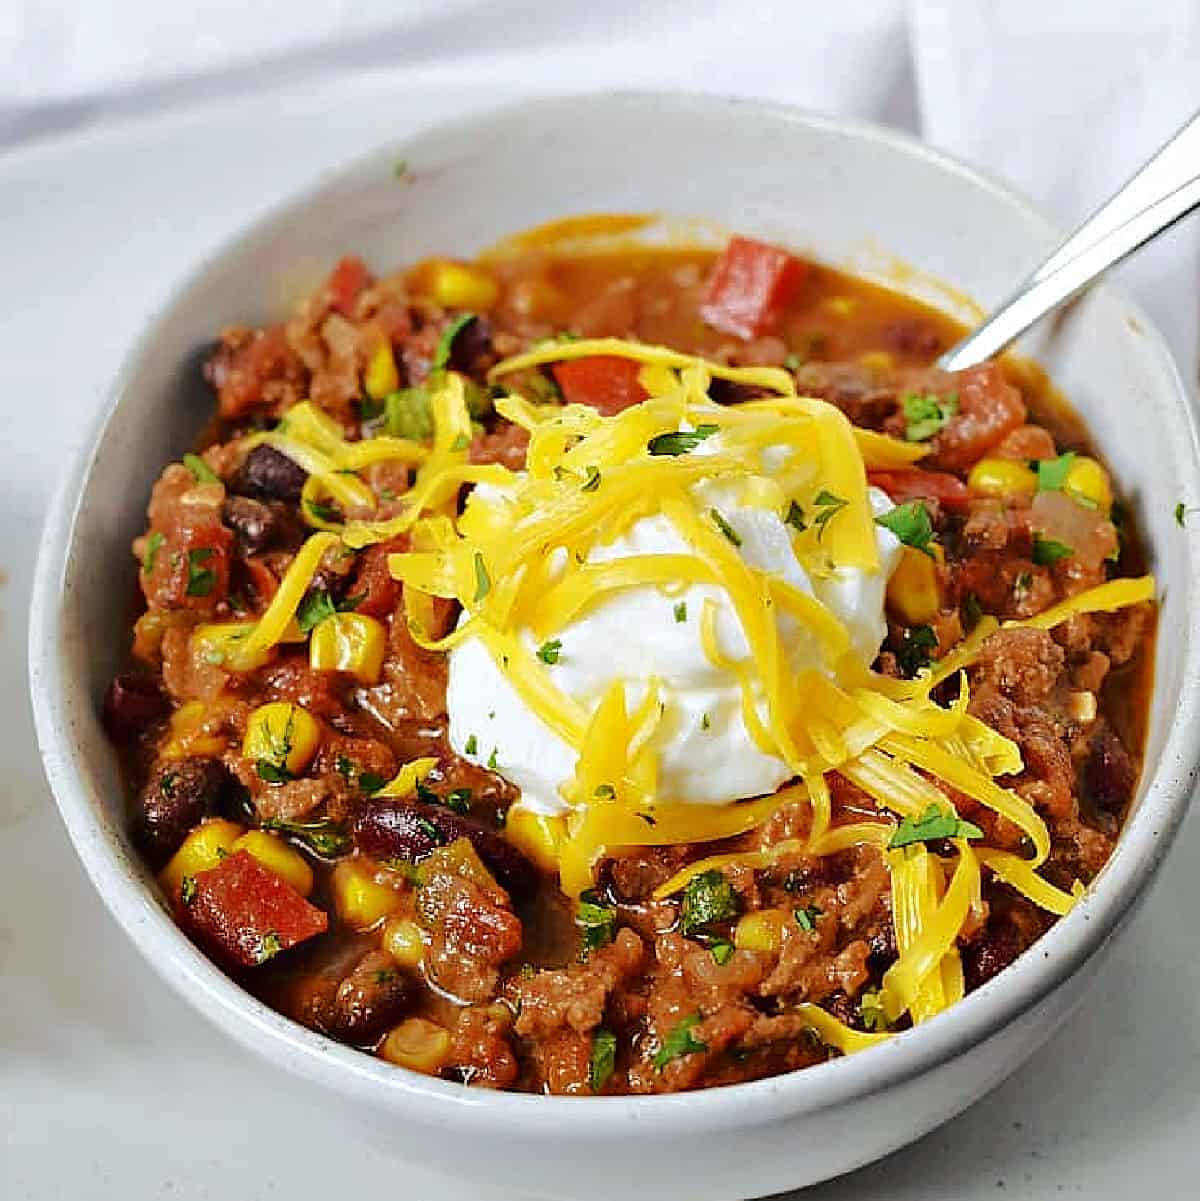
x: 1145, y: 838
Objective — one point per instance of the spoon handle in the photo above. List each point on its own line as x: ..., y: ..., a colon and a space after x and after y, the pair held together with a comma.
x: 1164, y: 190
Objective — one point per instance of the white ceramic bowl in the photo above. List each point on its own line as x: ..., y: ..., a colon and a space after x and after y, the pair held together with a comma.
x: 839, y: 189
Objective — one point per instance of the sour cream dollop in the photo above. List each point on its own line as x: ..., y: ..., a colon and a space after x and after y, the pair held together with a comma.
x: 706, y: 755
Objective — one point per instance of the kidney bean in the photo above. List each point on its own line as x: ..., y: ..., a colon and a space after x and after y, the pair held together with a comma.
x: 260, y: 525
x: 388, y: 829
x: 1109, y: 775
x: 131, y: 703
x: 268, y: 474
x: 179, y: 795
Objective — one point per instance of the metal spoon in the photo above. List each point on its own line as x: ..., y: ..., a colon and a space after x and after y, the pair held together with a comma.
x: 1164, y: 190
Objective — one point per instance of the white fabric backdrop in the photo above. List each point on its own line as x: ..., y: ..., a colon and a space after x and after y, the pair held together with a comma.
x: 1062, y: 98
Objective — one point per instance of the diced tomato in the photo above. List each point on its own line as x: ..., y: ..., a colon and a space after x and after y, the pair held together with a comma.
x: 240, y: 375
x: 903, y: 486
x: 607, y: 383
x: 348, y: 279
x: 374, y: 584
x: 749, y: 286
x: 191, y: 568
x: 246, y: 914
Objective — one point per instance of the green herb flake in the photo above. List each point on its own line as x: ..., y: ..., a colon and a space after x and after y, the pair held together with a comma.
x: 916, y: 650
x: 202, y: 472
x: 460, y: 443
x: 187, y: 889
x: 272, y: 772
x: 681, y: 443
x: 155, y: 539
x: 322, y: 512
x: 793, y: 362
x: 707, y: 898
x: 705, y: 721
x: 828, y: 506
x: 458, y: 800
x: 492, y: 765
x: 408, y: 414
x: 806, y: 917
x: 370, y: 781
x: 1052, y: 473
x: 795, y: 518
x: 592, y: 482
x: 1047, y: 552
x: 924, y: 416
x: 369, y: 408
x: 681, y: 612
x: 471, y: 746
x: 604, y: 792
x: 200, y: 578
x: 597, y: 921
x: 972, y: 611
x: 603, y: 1058
x: 911, y: 524
x: 549, y: 652
x: 314, y: 609
x: 269, y: 947
x: 324, y: 836
x: 724, y: 526
x: 722, y: 951
x: 343, y: 767
x: 679, y: 1042
x: 445, y: 346
x: 1180, y: 514
x: 870, y: 1009
x: 933, y: 824
x: 429, y: 830
x: 483, y: 582
x: 400, y: 168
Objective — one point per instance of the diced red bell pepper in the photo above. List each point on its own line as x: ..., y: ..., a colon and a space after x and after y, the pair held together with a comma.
x: 903, y: 486
x: 245, y: 914
x: 749, y: 286
x: 605, y: 382
x: 348, y: 279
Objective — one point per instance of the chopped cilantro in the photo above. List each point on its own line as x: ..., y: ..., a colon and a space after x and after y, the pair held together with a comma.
x: 272, y: 772
x: 471, y: 746
x: 458, y: 800
x: 705, y: 721
x: 597, y: 921
x: 682, y: 442
x: 269, y: 947
x: 707, y: 898
x: 724, y: 526
x: 343, y: 767
x: 604, y: 792
x: 369, y: 408
x: 370, y: 781
x: 1180, y: 513
x: 679, y: 1041
x: 202, y: 472
x: 972, y: 611
x: 722, y: 951
x: 1046, y: 551
x: 795, y: 518
x: 429, y: 830
x: 460, y: 443
x: 325, y: 836
x: 916, y: 650
x: 828, y: 506
x: 314, y: 609
x: 155, y: 539
x: 491, y: 763
x: 167, y: 783
x: 910, y: 523
x: 407, y: 414
x: 934, y: 823
x: 793, y: 362
x: 351, y: 602
x: 1052, y: 473
x: 806, y: 917
x: 548, y: 652
x: 187, y: 889
x: 603, y: 1058
x: 870, y: 1009
x: 321, y: 511
x: 483, y: 582
x: 200, y: 579
x: 593, y: 480
x: 400, y: 168
x: 681, y: 612
x: 441, y: 356
x: 925, y: 415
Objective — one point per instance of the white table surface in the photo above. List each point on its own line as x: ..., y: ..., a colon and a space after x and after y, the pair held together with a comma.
x: 109, y: 1087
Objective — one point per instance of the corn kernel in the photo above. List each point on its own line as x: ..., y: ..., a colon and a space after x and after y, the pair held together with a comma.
x: 381, y: 375
x: 213, y: 643
x: 1088, y: 481
x: 1001, y: 477
x: 418, y: 1044
x: 203, y: 848
x: 539, y: 835
x: 455, y: 286
x: 761, y: 930
x: 362, y: 901
x: 912, y: 592
x: 403, y: 942
x: 350, y: 642
x: 282, y: 735
x: 188, y: 735
x: 877, y: 360
x: 276, y: 856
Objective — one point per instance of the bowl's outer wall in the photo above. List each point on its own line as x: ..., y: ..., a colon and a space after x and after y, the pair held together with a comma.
x: 816, y: 184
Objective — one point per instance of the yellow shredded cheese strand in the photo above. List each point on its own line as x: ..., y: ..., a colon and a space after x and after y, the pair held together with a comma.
x: 917, y: 887
x: 834, y: 1033
x: 1116, y: 594
x: 1018, y: 873
x: 405, y: 782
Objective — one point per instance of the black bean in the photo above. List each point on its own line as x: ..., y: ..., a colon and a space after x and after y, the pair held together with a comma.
x: 132, y: 703
x: 472, y: 343
x: 179, y: 795
x: 1109, y: 775
x: 268, y: 474
x: 262, y: 525
x: 392, y: 829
